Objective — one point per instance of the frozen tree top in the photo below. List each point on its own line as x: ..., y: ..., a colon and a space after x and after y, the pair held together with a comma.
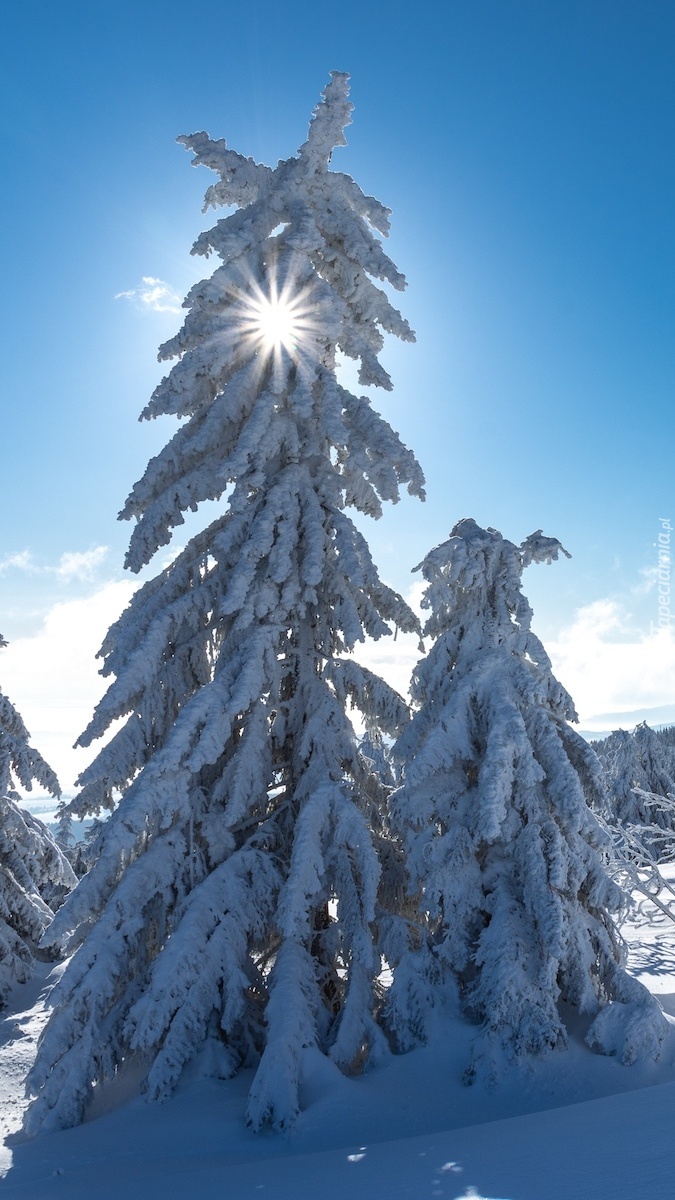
x: 478, y: 571
x: 243, y: 181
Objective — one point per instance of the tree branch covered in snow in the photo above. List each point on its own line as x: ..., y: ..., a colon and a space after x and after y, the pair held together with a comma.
x: 636, y: 850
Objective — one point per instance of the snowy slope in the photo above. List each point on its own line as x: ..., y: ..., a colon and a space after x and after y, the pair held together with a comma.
x: 574, y: 1126
x: 620, y: 1147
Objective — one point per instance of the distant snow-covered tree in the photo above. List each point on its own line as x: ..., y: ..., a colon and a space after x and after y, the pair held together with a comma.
x: 377, y: 755
x: 86, y: 850
x: 666, y: 739
x: 32, y: 866
x: 235, y: 904
x: 637, y: 764
x: 63, y: 827
x: 496, y: 813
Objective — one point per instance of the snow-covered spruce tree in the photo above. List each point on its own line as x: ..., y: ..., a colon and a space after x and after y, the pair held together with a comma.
x: 495, y: 811
x: 63, y: 827
x: 86, y: 850
x: 636, y: 763
x: 32, y: 866
x: 233, y: 908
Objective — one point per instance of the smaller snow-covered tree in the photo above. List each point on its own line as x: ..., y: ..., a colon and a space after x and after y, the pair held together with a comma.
x: 88, y: 848
x: 637, y: 764
x: 495, y: 811
x: 666, y: 740
x: 63, y: 827
x: 32, y: 866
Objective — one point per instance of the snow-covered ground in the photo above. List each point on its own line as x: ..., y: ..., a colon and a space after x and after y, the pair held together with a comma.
x: 575, y: 1126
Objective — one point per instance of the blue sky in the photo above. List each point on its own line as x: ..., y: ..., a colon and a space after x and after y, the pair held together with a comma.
x: 525, y: 148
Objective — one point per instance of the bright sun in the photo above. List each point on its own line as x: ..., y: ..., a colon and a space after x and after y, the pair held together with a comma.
x: 276, y: 323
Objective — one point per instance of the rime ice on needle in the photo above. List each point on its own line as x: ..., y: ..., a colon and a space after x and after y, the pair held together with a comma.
x: 234, y: 911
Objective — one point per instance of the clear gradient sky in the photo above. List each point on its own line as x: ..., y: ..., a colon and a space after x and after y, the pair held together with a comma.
x: 526, y: 150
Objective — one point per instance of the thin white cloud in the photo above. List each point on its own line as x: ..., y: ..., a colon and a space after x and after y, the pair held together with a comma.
x: 649, y: 577
x: 21, y: 561
x: 154, y: 295
x: 53, y: 677
x: 72, y: 565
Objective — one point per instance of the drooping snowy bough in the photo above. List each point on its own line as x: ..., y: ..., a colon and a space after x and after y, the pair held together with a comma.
x: 495, y: 811
x: 233, y: 910
x: 33, y: 869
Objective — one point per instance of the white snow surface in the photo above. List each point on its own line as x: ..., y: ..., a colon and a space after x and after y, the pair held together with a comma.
x: 573, y: 1126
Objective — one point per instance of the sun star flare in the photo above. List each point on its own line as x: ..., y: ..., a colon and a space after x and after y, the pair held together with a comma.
x: 276, y: 321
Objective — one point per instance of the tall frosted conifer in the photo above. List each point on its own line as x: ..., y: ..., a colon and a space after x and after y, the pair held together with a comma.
x: 233, y: 909
x: 32, y: 866
x: 503, y: 847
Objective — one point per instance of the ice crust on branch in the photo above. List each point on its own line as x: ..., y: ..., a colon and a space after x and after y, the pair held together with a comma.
x: 495, y: 811
x: 245, y: 879
x: 34, y: 871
